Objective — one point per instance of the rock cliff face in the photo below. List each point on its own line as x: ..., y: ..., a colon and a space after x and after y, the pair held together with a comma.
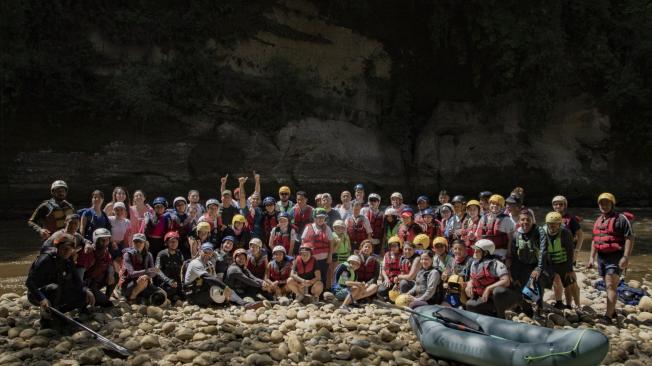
x: 459, y: 147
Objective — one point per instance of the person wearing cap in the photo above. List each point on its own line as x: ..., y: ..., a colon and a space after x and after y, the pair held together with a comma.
x: 301, y: 213
x: 410, y: 266
x: 257, y: 258
x: 483, y: 197
x: 497, y: 227
x: 375, y: 217
x: 305, y: 277
x: 50, y: 215
x: 284, y: 203
x: 138, y: 272
x: 488, y: 290
x: 572, y: 223
x: 408, y: 228
x: 120, y: 233
x: 242, y: 281
x: 358, y: 191
x: 193, y: 203
x: 396, y: 199
x: 239, y: 231
x: 358, y: 227
x: 560, y: 249
x: 428, y: 286
x: 53, y: 282
x: 169, y: 262
x: 391, y: 268
x: 442, y: 258
x: 318, y: 236
x: 278, y: 271
x: 470, y: 225
x: 93, y: 218
x: 423, y: 204
x: 391, y: 224
x: 345, y: 208
x: 97, y: 267
x: 327, y: 205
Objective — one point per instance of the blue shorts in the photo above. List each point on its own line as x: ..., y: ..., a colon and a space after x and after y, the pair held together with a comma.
x: 341, y: 294
x: 608, y: 263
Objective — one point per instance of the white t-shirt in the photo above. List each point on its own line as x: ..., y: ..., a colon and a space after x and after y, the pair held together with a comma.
x: 119, y: 228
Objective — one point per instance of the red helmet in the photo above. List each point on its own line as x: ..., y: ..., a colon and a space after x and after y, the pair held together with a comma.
x: 171, y: 234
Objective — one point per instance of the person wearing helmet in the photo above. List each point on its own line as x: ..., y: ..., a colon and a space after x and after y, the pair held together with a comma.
x: 408, y: 228
x: 327, y: 205
x: 169, y: 262
x: 391, y: 224
x: 242, y: 281
x: 318, y: 236
x: 318, y: 200
x: 421, y: 242
x: 137, y: 211
x: 459, y: 205
x: 94, y: 218
x: 201, y: 233
x: 284, y: 234
x: 358, y: 227
x: 50, y: 215
x: 560, y: 253
x: 430, y: 225
x: 410, y: 266
x: 572, y: 223
x: 345, y: 208
x: 375, y: 217
x: 301, y: 213
x: 442, y: 258
x: 456, y: 275
x: 470, y: 225
x: 450, y: 226
x: 239, y: 231
x: 194, y: 204
x: 340, y: 245
x: 257, y: 258
x: 212, y: 217
x: 156, y: 225
x: 182, y: 223
x: 53, y: 282
x: 278, y: 271
x: 284, y: 203
x: 391, y: 268
x: 423, y: 204
x: 496, y: 226
x: 358, y: 191
x: 305, y: 278
x: 119, y: 194
x: 269, y: 220
x: 428, y: 287
x: 97, y: 268
x: 483, y: 197
x: 344, y: 274
x: 138, y: 273
x: 396, y: 199
x: 488, y: 290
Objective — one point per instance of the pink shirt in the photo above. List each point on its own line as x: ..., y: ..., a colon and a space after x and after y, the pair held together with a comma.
x: 136, y: 219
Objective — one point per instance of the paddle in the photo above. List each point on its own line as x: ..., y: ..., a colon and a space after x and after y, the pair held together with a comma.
x: 444, y: 322
x: 112, y: 346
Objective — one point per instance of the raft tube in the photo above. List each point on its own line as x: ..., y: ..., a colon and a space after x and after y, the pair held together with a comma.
x: 510, y: 343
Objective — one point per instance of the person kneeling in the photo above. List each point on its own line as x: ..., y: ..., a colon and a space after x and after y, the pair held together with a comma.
x: 346, y: 287
x: 169, y: 262
x: 428, y: 287
x: 137, y: 274
x: 242, y: 281
x: 305, y: 276
x: 98, y: 268
x: 278, y: 271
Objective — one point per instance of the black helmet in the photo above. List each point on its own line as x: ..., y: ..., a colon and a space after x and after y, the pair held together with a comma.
x: 459, y: 198
x: 484, y: 194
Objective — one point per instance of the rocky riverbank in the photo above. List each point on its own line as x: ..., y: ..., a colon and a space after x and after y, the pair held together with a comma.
x: 288, y: 335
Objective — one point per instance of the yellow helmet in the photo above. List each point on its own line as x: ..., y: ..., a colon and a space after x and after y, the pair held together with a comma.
x: 203, y: 226
x: 497, y: 199
x: 393, y: 294
x: 472, y: 202
x: 607, y: 196
x: 238, y: 218
x: 284, y: 189
x: 422, y: 241
x: 394, y: 239
x: 553, y: 218
x: 440, y: 240
x: 402, y: 300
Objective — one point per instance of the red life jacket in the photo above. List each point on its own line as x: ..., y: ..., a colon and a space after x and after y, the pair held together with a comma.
x: 492, y: 233
x: 215, y: 224
x: 367, y: 269
x: 392, y: 265
x: 605, y: 238
x: 468, y: 227
x: 269, y: 223
x: 319, y: 241
x: 301, y: 218
x: 283, y: 238
x: 434, y: 230
x: 482, y: 278
x: 306, y: 270
x: 376, y: 221
x: 278, y: 273
x: 356, y: 230
x: 56, y: 217
x: 408, y: 233
x: 257, y: 267
x: 406, y: 263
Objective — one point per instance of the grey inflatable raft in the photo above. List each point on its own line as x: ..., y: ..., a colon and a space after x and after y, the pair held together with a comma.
x: 508, y: 343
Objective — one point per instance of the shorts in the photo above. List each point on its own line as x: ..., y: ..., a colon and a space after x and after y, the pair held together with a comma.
x: 564, y: 273
x: 341, y: 294
x: 608, y: 263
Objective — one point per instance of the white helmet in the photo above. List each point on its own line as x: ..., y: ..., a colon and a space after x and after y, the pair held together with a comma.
x: 354, y: 258
x: 101, y: 233
x: 485, y: 245
x: 58, y: 184
x: 339, y: 223
x: 560, y: 199
x: 217, y: 294
x: 391, y: 211
x: 279, y: 248
x: 256, y: 241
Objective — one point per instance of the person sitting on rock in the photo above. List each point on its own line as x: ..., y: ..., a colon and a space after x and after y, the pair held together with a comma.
x: 305, y: 278
x: 528, y: 250
x: 278, y: 271
x: 53, y: 282
x: 456, y: 275
x: 98, y: 268
x: 239, y: 231
x: 242, y: 281
x: 560, y: 253
x: 318, y: 236
x: 391, y: 268
x: 224, y: 257
x: 369, y: 269
x: 428, y: 287
x: 138, y: 273
x: 257, y: 258
x: 345, y: 285
x: 410, y: 266
x: 488, y: 290
x: 169, y: 262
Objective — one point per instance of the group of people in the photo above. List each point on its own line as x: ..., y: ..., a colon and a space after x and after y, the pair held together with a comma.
x: 487, y: 255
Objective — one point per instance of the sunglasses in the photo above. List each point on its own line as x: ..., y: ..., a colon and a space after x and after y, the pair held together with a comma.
x: 285, y: 194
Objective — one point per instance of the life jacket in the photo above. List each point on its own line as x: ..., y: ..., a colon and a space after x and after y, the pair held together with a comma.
x: 376, y: 221
x: 527, y: 250
x: 392, y: 264
x: 342, y: 247
x: 137, y: 263
x: 406, y: 263
x: 346, y: 274
x: 407, y: 233
x: 493, y: 233
x: 421, y: 284
x: 158, y: 228
x: 566, y: 220
x: 280, y: 272
x: 215, y: 224
x: 469, y: 226
x: 269, y: 223
x: 367, y: 269
x: 556, y: 251
x: 319, y: 241
x: 605, y: 237
x: 56, y: 217
x: 390, y: 230
x: 257, y: 267
x: 481, y: 277
x: 356, y: 230
x: 300, y: 217
x: 283, y: 238
x: 306, y: 270
x: 433, y: 230
x: 98, y: 269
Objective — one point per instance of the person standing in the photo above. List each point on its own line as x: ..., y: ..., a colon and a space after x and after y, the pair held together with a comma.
x: 50, y: 215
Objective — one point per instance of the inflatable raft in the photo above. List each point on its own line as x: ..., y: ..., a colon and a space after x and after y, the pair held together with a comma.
x: 499, y: 342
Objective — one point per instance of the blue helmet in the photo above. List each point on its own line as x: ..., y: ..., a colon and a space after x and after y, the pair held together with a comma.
x: 283, y: 214
x: 358, y: 187
x: 423, y: 198
x: 160, y: 201
x: 269, y: 201
x: 228, y: 237
x: 428, y: 211
x: 531, y: 294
